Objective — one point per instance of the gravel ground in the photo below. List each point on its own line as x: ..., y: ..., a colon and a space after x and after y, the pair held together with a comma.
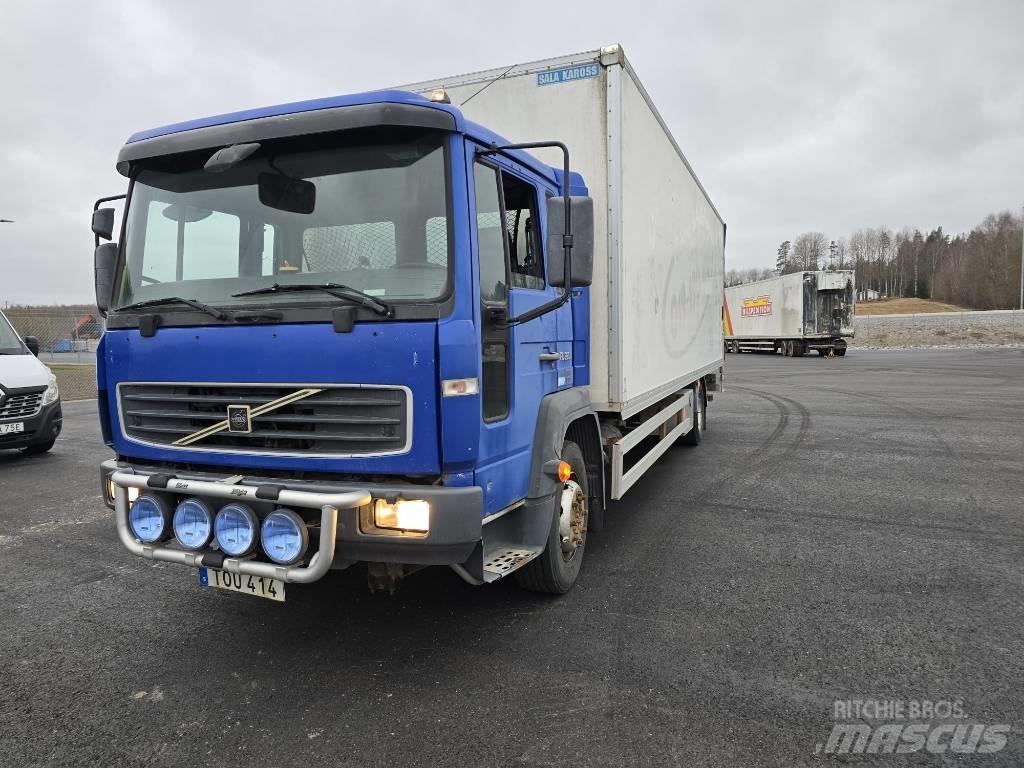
x: 960, y: 329
x: 850, y: 528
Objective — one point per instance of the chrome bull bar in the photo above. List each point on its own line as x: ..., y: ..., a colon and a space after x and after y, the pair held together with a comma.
x: 329, y: 505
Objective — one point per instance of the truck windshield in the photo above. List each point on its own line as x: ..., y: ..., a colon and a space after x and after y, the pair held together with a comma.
x: 10, y: 342
x: 367, y: 211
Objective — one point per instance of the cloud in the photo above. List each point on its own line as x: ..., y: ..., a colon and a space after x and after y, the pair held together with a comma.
x: 797, y: 115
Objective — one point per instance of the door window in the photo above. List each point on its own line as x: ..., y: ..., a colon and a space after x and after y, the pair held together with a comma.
x: 522, y: 228
x: 493, y: 293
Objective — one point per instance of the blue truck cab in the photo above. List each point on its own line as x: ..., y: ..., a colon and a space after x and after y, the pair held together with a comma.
x: 350, y: 330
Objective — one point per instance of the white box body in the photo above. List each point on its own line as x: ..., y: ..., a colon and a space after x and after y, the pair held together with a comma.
x: 659, y: 260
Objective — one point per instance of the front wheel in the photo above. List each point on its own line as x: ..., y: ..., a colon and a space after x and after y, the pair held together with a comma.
x: 36, y: 448
x: 555, y: 571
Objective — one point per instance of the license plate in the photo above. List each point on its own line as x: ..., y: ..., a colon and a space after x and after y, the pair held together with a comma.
x: 10, y: 429
x: 272, y: 589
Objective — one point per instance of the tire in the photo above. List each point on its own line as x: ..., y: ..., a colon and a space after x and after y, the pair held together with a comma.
x: 553, y: 572
x: 840, y: 351
x: 798, y: 349
x: 695, y: 435
x: 32, y: 450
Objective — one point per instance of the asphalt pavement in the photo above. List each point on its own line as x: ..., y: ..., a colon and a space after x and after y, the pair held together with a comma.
x: 850, y: 529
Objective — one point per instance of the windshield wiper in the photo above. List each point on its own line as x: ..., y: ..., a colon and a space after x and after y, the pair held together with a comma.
x: 339, y: 291
x: 177, y: 300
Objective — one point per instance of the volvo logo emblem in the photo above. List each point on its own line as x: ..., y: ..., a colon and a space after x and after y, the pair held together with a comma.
x: 239, y: 419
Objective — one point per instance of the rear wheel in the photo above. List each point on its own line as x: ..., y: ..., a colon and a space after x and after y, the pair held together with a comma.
x: 556, y: 569
x: 700, y: 414
x: 840, y: 351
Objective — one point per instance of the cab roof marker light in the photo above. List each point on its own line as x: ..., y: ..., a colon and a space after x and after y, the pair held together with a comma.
x: 460, y: 387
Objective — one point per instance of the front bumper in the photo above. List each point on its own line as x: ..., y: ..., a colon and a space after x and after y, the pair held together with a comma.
x: 455, y: 520
x: 42, y: 428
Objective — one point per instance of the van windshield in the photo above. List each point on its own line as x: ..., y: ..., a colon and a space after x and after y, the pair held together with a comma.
x: 368, y: 211
x: 10, y: 342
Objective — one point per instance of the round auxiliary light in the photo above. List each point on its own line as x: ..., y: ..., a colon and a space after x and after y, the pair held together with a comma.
x: 149, y: 518
x: 284, y: 536
x: 235, y: 528
x: 193, y: 523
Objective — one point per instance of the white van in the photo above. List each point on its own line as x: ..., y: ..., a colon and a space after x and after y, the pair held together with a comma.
x: 30, y: 416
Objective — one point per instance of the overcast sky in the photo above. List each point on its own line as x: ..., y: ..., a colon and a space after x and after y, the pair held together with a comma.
x: 796, y: 115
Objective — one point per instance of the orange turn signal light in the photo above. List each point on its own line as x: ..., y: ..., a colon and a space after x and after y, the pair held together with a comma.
x: 564, y: 471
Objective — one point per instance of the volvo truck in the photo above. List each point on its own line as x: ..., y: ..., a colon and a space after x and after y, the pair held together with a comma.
x: 441, y: 325
x: 791, y: 314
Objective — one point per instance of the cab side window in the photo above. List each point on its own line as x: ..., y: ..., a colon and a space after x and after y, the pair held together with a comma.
x: 522, y: 230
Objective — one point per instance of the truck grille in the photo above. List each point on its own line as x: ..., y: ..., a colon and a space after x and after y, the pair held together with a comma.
x: 21, y: 406
x: 341, y: 420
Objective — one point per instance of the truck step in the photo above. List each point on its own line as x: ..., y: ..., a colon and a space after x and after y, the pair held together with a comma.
x: 502, y: 562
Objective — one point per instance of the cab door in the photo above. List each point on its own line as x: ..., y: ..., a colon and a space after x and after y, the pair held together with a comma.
x: 520, y: 364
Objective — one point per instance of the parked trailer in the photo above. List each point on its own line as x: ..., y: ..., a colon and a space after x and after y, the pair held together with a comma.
x: 366, y: 329
x: 792, y: 314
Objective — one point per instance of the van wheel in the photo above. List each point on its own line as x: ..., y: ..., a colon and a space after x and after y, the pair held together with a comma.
x: 32, y: 450
x: 555, y: 571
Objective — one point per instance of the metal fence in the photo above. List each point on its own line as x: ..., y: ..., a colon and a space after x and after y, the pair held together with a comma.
x: 67, y: 344
x: 65, y: 337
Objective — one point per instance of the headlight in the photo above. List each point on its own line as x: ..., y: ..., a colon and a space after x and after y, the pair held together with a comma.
x: 52, y: 393
x: 133, y: 493
x: 404, y: 514
x: 284, y: 536
x: 193, y: 524
x: 235, y: 529
x: 150, y: 518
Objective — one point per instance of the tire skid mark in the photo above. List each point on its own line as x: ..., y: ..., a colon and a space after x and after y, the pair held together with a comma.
x: 664, y: 539
x: 919, y: 416
x: 872, y: 520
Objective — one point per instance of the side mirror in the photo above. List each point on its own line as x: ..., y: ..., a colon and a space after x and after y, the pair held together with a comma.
x: 103, y: 223
x: 33, y: 345
x: 582, y: 220
x: 105, y: 260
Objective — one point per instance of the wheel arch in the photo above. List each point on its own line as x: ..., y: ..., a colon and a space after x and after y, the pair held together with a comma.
x: 567, y: 415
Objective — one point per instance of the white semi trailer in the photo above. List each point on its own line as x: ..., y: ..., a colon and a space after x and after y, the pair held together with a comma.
x: 792, y: 314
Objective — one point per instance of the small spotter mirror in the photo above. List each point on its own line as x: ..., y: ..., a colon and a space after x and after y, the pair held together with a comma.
x: 103, y: 223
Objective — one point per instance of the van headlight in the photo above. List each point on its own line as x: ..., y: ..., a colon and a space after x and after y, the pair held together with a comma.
x: 52, y: 393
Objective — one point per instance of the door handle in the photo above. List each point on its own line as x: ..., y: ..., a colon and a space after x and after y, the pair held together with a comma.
x: 549, y: 357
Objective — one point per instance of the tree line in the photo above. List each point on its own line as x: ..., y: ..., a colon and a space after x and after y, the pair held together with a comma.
x: 978, y: 269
